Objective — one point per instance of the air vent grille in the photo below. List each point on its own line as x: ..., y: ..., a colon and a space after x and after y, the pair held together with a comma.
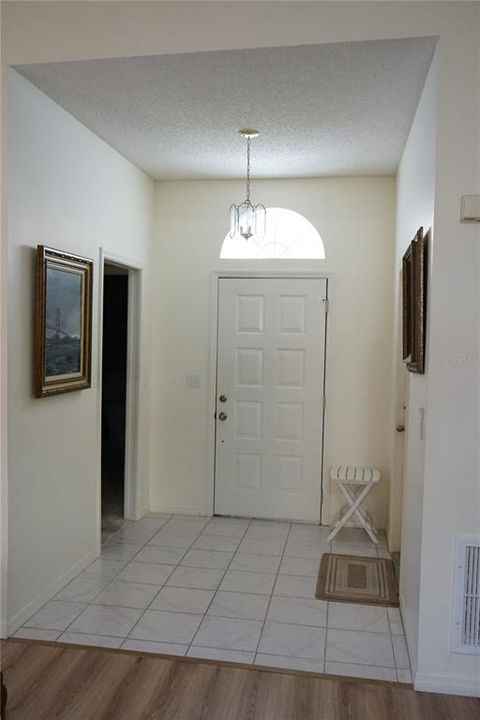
x: 466, y: 631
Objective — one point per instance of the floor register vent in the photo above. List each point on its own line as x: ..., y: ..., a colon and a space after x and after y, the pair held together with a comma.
x: 466, y: 622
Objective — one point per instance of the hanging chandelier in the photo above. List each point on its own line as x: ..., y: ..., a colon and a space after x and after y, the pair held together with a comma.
x: 247, y: 220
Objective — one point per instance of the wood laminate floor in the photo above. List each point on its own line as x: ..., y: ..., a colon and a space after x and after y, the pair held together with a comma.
x: 59, y: 682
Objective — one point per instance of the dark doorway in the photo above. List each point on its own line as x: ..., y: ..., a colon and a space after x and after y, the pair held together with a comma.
x: 114, y: 390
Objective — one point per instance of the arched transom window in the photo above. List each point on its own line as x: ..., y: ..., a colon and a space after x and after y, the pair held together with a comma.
x: 289, y: 235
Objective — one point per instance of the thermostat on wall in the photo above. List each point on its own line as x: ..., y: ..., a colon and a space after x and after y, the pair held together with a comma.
x: 470, y: 211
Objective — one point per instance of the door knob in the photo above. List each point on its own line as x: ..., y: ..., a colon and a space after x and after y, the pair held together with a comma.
x: 223, y: 398
x: 222, y: 416
x: 400, y: 428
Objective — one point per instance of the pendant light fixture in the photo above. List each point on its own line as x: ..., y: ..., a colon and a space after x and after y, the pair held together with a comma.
x: 246, y: 219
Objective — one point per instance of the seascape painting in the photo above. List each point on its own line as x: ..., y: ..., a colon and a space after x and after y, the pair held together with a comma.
x: 63, y: 322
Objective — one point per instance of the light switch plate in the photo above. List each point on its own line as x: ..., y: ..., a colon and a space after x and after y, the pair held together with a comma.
x: 192, y: 381
x: 470, y: 211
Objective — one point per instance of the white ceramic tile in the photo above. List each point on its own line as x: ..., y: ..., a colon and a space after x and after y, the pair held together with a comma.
x: 299, y: 566
x: 188, y: 522
x: 352, y: 616
x: 174, y: 538
x: 353, y: 536
x: 360, y: 647
x: 262, y: 547
x: 267, y: 530
x: 161, y: 554
x: 201, y: 578
x: 401, y: 652
x: 105, y: 569
x: 133, y: 534
x: 119, y: 551
x: 226, y: 527
x: 248, y: 562
x: 239, y: 605
x: 104, y: 620
x: 289, y: 663
x: 360, y: 550
x: 308, y: 533
x: 83, y: 589
x: 127, y: 594
x: 404, y: 676
x: 363, y: 671
x: 248, y: 582
x: 94, y: 640
x: 295, y: 586
x: 36, y: 634
x: 313, y: 549
x: 207, y: 559
x: 299, y: 611
x: 206, y: 541
x: 293, y: 640
x: 154, y: 647
x: 188, y: 600
x: 395, y: 619
x: 228, y: 633
x: 150, y: 573
x: 160, y: 626
x: 236, y: 656
x: 155, y: 519
x: 55, y: 615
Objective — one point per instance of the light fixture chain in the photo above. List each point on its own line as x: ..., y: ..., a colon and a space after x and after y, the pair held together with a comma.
x: 248, y: 169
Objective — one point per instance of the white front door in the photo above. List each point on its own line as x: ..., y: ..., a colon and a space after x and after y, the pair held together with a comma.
x: 270, y: 386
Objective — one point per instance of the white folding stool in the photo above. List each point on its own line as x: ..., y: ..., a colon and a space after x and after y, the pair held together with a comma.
x: 354, y: 483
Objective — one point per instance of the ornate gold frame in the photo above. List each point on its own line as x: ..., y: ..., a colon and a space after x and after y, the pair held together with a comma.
x: 53, y: 385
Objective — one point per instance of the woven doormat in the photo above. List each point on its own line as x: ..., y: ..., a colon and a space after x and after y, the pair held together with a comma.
x: 354, y: 579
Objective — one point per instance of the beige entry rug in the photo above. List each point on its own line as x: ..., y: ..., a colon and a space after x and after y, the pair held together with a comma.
x: 354, y: 579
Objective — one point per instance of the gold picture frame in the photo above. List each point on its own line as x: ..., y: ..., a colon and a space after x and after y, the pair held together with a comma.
x: 414, y: 302
x: 63, y: 322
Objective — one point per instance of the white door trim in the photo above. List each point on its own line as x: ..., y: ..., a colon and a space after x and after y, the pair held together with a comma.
x: 133, y: 487
x: 212, y: 380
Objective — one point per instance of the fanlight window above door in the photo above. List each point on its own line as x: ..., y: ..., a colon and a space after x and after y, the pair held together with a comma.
x: 289, y: 236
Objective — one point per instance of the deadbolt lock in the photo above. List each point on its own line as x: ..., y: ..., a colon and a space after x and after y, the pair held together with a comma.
x: 223, y: 398
x: 222, y: 416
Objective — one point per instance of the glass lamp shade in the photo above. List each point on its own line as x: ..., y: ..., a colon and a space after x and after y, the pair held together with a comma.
x: 247, y: 220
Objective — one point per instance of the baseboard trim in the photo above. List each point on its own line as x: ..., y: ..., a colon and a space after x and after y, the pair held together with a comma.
x: 30, y: 608
x: 447, y: 684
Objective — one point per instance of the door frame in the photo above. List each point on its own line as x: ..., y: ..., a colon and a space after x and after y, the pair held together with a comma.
x: 133, y: 488
x: 216, y: 276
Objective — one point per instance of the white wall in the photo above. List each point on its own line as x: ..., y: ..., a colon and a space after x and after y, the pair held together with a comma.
x: 3, y: 335
x: 355, y: 217
x: 415, y: 207
x: 451, y: 497
x: 442, y: 482
x: 68, y: 190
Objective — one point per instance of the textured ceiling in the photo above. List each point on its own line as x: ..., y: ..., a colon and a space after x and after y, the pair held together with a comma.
x: 335, y: 109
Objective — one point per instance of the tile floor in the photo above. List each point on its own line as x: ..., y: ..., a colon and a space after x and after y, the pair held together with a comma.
x: 226, y: 588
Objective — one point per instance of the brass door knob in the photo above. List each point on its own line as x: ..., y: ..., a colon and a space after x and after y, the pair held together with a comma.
x: 222, y: 416
x: 223, y: 398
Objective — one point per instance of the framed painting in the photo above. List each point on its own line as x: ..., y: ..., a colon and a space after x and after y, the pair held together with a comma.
x: 63, y: 322
x: 414, y: 301
x: 408, y: 330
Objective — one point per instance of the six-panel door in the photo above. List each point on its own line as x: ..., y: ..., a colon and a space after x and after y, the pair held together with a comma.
x: 270, y: 385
